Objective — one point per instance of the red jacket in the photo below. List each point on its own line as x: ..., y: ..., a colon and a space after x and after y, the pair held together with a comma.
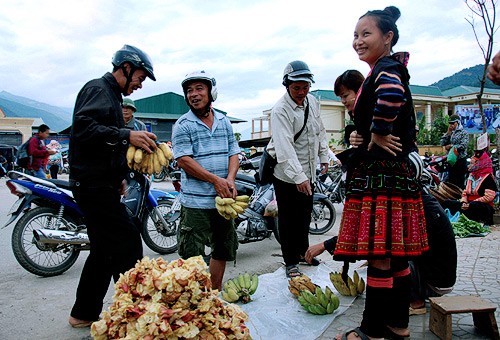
x: 39, y: 153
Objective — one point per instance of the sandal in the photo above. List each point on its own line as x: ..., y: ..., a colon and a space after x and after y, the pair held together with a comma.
x: 357, y: 332
x: 292, y: 271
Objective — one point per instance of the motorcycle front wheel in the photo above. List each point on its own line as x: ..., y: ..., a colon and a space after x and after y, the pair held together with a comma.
x: 323, y: 217
x: 158, y: 237
x: 39, y: 258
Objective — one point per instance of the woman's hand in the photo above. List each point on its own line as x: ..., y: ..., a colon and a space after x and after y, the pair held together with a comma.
x: 389, y: 143
x: 313, y: 251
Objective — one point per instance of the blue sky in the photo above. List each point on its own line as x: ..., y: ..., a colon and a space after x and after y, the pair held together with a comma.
x: 50, y: 48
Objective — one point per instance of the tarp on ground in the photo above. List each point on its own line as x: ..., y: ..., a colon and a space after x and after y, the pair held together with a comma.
x: 275, y: 314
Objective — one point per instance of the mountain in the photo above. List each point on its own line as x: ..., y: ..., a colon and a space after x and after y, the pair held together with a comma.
x: 15, y: 106
x: 467, y: 77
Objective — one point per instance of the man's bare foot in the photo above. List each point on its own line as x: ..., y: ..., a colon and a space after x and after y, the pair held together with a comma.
x: 356, y: 334
x: 77, y: 323
x: 404, y: 332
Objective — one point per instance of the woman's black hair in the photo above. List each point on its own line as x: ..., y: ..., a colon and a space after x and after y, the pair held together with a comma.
x: 350, y: 79
x: 386, y: 21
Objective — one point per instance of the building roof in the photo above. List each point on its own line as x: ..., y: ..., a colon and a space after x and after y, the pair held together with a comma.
x: 325, y: 95
x: 465, y: 90
x: 169, y: 106
x: 425, y: 90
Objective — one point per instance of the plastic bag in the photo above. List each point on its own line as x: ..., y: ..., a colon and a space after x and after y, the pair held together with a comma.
x: 452, y: 155
x: 452, y: 218
x: 271, y: 209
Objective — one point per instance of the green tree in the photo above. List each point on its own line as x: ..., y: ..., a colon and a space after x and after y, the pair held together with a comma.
x: 433, y: 135
x: 237, y: 136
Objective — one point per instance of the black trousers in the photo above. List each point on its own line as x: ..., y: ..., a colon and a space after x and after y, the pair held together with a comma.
x: 54, y: 169
x: 294, y: 217
x: 115, y: 247
x: 458, y: 172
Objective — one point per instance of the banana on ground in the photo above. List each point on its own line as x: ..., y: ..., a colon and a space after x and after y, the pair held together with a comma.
x: 240, y: 288
x: 351, y: 288
x: 319, y: 302
x: 300, y: 283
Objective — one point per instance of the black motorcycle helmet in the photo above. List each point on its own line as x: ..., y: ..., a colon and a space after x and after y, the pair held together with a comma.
x: 135, y: 57
x: 297, y: 71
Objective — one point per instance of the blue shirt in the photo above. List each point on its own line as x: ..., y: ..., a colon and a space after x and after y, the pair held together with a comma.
x: 210, y: 148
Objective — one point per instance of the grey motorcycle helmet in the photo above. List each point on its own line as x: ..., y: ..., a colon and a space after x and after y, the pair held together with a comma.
x: 297, y: 71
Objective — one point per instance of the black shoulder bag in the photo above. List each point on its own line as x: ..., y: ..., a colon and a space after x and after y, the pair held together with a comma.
x: 268, y: 162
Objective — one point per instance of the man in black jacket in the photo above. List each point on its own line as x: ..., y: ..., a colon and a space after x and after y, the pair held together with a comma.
x: 97, y: 149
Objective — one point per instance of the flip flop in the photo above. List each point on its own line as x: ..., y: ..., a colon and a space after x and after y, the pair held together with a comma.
x: 358, y: 333
x: 292, y: 271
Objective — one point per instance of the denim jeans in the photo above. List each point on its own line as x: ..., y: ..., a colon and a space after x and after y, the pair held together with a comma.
x: 37, y: 173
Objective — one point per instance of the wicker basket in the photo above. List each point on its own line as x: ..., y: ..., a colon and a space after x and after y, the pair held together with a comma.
x: 438, y: 195
x: 450, y: 190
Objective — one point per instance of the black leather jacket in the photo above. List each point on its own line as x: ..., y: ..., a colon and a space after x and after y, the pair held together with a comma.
x: 99, y: 139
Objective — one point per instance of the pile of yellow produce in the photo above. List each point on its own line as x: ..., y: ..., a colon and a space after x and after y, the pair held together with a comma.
x: 354, y: 286
x: 312, y: 297
x: 169, y: 300
x: 149, y: 163
x: 240, y: 288
x: 230, y: 208
x: 299, y: 283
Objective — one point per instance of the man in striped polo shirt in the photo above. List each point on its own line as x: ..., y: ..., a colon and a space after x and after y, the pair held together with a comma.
x: 207, y: 153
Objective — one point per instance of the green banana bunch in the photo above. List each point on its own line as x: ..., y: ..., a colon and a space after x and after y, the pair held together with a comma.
x: 230, y: 208
x: 353, y: 287
x: 240, y: 288
x: 319, y: 302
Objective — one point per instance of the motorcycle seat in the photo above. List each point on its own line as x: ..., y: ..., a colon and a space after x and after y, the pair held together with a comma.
x: 60, y: 183
x: 245, y: 178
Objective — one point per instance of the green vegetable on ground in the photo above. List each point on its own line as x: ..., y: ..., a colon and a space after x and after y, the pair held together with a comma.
x: 465, y: 226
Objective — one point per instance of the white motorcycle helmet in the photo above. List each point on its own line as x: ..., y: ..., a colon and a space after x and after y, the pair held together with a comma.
x: 201, y: 76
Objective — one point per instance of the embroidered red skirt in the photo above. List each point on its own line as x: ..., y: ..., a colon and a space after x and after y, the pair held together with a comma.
x: 383, y: 213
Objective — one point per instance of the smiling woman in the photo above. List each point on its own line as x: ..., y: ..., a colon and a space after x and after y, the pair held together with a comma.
x: 377, y: 214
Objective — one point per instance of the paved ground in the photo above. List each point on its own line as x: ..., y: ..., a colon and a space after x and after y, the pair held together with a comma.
x: 37, y: 308
x: 477, y: 274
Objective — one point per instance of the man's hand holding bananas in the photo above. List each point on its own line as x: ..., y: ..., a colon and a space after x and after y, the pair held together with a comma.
x: 149, y: 163
x: 229, y: 208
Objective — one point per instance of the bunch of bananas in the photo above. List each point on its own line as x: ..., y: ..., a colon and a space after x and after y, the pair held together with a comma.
x: 299, y: 283
x: 240, y: 288
x: 230, y: 208
x: 354, y: 286
x: 319, y: 302
x: 149, y: 163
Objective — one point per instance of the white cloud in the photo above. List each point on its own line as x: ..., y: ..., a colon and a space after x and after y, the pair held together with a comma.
x: 51, y: 48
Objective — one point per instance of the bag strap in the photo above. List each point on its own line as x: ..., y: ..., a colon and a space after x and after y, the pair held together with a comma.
x: 297, y: 135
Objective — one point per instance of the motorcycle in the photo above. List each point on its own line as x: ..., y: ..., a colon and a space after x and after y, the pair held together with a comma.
x: 50, y: 231
x: 252, y: 225
x: 331, y: 184
x: 437, y: 167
